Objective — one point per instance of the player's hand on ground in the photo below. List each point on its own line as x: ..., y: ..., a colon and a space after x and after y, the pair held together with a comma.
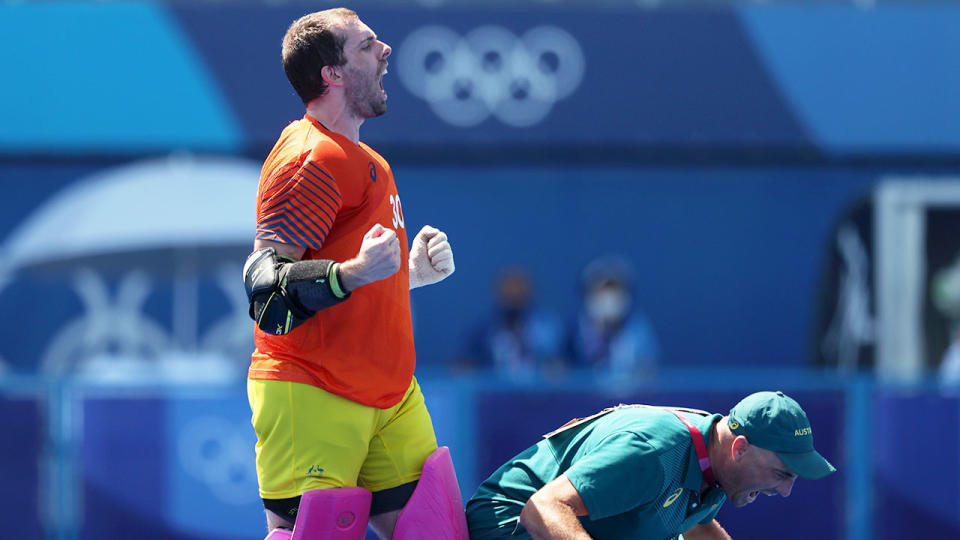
x: 379, y: 258
x: 431, y: 257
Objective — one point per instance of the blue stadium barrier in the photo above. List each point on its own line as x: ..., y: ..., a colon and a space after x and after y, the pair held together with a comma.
x: 93, y: 460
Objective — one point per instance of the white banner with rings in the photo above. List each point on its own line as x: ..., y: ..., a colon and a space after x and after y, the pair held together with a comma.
x: 491, y: 71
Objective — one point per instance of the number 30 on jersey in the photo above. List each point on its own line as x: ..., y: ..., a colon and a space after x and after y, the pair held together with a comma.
x: 397, y: 211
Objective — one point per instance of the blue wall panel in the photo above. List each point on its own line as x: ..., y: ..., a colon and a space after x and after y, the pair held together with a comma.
x: 871, y: 79
x: 23, y: 454
x: 177, y: 462
x: 727, y: 260
x: 129, y: 77
x: 917, y: 467
x: 123, y: 468
x: 106, y: 78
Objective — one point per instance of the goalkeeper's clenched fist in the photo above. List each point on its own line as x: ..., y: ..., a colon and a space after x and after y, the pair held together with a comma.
x: 379, y: 258
x: 431, y: 257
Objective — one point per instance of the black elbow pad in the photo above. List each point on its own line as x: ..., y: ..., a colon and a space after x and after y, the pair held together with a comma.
x: 284, y: 293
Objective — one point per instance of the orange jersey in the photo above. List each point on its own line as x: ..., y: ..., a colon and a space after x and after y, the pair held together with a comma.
x: 320, y: 191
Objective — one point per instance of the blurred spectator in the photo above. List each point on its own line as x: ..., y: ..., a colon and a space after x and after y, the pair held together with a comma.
x: 518, y: 339
x: 945, y: 295
x: 844, y: 326
x: 610, y: 335
x: 950, y: 368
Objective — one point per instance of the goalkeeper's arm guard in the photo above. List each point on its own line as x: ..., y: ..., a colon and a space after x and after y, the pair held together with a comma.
x: 284, y: 293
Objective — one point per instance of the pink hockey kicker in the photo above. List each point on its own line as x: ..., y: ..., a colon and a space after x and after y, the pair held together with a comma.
x: 435, y: 510
x: 330, y: 514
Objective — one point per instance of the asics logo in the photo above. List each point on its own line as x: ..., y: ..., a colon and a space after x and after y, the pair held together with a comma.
x: 673, y: 497
x: 491, y: 71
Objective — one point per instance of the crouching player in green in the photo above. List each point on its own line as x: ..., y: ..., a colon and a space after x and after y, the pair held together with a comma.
x: 649, y: 473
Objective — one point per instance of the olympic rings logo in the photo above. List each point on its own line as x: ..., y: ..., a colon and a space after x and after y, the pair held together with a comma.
x: 218, y: 453
x: 491, y: 71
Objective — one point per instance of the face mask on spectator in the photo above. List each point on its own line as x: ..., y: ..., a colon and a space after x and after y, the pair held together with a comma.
x: 608, y: 305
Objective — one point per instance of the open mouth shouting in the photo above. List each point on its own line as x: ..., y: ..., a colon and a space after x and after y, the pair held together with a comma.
x: 383, y: 72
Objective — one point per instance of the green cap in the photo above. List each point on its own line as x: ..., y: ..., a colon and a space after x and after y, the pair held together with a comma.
x: 775, y: 422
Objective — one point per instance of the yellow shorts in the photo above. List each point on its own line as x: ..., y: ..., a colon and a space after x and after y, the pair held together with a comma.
x: 308, y: 438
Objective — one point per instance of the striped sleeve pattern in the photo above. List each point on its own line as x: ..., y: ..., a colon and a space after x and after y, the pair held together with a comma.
x: 298, y: 206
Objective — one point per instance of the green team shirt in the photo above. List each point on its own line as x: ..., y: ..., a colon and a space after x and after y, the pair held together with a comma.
x: 635, y: 468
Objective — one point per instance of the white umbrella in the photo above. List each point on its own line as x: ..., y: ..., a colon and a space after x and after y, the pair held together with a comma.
x: 176, y: 216
x: 145, y: 209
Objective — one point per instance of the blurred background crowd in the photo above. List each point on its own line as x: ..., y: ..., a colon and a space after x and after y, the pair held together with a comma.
x: 676, y: 202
